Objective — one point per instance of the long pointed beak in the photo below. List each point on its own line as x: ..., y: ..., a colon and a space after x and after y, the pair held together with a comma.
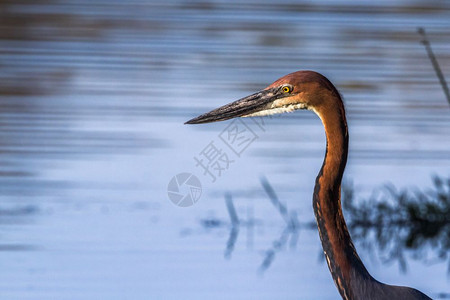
x: 242, y: 107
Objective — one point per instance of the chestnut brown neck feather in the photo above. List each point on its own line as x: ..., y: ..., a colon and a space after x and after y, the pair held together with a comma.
x: 343, y: 261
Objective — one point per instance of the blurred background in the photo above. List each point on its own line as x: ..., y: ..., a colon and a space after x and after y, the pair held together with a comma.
x: 93, y: 97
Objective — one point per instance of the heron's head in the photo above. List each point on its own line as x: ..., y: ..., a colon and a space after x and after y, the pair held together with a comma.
x: 298, y: 90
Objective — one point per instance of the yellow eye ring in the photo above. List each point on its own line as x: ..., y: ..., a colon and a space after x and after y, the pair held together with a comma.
x: 286, y: 89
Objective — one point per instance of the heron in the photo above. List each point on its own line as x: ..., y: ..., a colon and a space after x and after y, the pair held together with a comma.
x: 312, y: 91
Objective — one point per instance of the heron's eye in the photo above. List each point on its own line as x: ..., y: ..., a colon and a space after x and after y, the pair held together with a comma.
x: 286, y: 89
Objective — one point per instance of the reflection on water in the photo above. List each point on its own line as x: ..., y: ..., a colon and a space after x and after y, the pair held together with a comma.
x: 290, y: 233
x: 398, y: 222
x: 93, y: 95
x: 392, y: 222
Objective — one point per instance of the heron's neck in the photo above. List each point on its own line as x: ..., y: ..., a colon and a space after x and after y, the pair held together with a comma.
x: 341, y: 256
